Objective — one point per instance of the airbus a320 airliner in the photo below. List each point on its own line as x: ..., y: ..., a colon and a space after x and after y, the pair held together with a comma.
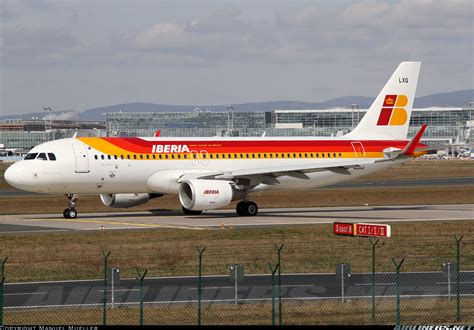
x: 209, y: 173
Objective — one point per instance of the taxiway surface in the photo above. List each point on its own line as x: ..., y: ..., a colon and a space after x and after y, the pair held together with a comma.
x: 222, y: 289
x: 157, y: 219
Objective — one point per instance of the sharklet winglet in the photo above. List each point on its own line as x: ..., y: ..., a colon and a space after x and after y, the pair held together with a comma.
x: 410, y: 147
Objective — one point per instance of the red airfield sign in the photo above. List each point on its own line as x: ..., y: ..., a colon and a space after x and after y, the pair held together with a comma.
x: 372, y: 230
x: 361, y: 229
x: 344, y: 228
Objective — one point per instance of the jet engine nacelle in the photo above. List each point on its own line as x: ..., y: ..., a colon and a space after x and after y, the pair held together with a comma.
x: 124, y: 200
x: 201, y: 195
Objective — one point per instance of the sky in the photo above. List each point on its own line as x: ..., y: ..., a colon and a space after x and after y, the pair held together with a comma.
x: 76, y: 55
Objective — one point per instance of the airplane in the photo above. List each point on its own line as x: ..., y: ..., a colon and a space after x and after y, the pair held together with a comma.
x: 210, y: 172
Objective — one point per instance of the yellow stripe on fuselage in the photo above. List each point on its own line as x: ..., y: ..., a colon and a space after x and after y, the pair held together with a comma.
x: 107, y: 148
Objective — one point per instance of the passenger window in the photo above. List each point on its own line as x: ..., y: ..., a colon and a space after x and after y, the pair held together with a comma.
x: 154, y: 156
x: 51, y: 156
x: 95, y: 157
x: 31, y: 156
x: 147, y: 156
x: 42, y: 156
x: 141, y: 156
x: 115, y: 156
x: 121, y: 156
x: 108, y: 157
x: 102, y: 157
x: 134, y: 156
x: 128, y: 156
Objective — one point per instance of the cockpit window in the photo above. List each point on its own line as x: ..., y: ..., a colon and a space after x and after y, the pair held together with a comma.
x: 51, y: 156
x: 42, y: 156
x: 31, y: 156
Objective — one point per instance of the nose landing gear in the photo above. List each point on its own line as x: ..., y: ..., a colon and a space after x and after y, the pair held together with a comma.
x: 70, y: 212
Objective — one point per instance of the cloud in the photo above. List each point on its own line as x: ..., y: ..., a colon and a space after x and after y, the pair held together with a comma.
x: 211, y: 39
x: 227, y: 12
x: 26, y: 47
x: 215, y: 50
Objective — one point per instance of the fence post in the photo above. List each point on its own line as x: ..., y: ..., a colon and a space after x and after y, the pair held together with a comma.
x: 373, y: 243
x: 280, y: 308
x: 398, y: 266
x: 273, y: 271
x: 2, y: 282
x: 104, y: 315
x: 458, y: 288
x: 140, y: 278
x: 200, y: 251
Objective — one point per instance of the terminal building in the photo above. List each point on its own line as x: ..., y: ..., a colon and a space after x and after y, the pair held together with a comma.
x: 445, y: 125
x: 22, y: 135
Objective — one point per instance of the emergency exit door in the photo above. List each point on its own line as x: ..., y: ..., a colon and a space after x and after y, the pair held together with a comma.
x: 359, y: 150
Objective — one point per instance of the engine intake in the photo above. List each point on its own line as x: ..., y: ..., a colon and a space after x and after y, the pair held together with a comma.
x: 201, y: 195
x: 124, y: 200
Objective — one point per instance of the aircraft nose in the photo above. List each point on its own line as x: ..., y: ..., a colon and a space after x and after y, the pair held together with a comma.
x: 13, y: 176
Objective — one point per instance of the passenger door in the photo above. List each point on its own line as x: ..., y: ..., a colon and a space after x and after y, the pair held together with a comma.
x: 82, y: 161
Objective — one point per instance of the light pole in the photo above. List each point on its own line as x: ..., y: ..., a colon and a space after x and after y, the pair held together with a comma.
x: 47, y: 126
x: 230, y: 120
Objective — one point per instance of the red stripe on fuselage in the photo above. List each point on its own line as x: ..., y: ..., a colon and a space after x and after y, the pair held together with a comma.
x: 137, y: 145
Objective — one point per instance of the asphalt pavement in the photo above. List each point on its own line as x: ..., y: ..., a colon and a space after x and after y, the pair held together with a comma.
x: 222, y: 289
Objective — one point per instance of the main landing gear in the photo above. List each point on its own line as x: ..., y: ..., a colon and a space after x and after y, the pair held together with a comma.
x: 247, y: 209
x: 70, y: 212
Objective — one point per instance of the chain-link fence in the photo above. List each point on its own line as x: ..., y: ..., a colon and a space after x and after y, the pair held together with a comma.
x: 423, y: 281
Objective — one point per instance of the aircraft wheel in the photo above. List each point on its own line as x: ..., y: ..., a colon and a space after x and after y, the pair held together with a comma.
x: 190, y: 212
x: 251, y: 209
x: 72, y: 214
x: 246, y: 209
x: 240, y: 208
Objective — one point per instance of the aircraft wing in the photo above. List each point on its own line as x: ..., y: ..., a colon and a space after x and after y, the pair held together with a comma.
x: 269, y: 175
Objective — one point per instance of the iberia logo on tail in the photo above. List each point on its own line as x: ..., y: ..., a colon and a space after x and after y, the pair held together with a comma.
x: 393, y: 113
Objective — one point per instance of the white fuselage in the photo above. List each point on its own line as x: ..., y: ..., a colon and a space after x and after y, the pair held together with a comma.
x: 84, y: 170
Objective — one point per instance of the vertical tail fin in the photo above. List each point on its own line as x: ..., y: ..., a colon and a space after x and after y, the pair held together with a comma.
x: 389, y: 115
